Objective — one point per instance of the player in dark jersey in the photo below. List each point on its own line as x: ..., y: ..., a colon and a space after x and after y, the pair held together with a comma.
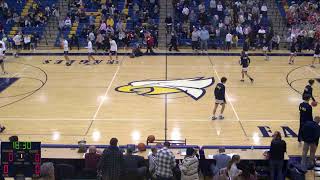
x: 308, y: 90
x: 316, y: 54
x: 305, y: 113
x: 220, y: 98
x: 245, y: 62
x: 293, y: 52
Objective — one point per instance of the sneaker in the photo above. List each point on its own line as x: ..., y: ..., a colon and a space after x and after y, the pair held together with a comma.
x: 2, y: 129
x: 5, y: 73
x: 68, y: 64
x: 251, y: 80
x: 313, y: 66
x: 213, y: 118
x: 221, y: 117
x: 242, y: 80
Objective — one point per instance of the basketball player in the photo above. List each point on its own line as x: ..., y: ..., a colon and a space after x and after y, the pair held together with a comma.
x: 219, y: 93
x: 244, y: 62
x: 305, y: 113
x: 293, y: 51
x: 265, y: 49
x: 308, y: 90
x: 66, y: 51
x: 3, y: 45
x: 113, y: 48
x: 17, y: 39
x: 316, y: 54
x: 2, y: 57
x: 90, y: 51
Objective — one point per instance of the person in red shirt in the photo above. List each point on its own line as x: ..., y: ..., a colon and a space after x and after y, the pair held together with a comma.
x: 150, y: 42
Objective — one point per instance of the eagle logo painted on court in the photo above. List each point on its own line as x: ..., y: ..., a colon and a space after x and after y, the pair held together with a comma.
x: 193, y: 87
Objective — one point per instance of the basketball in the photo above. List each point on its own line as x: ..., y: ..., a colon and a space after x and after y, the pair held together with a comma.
x: 314, y: 103
x: 151, y: 138
x: 142, y: 147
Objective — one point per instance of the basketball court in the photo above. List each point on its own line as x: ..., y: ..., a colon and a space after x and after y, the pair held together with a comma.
x: 41, y: 99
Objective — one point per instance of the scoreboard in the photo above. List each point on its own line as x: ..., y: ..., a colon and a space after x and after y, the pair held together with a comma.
x: 20, y: 158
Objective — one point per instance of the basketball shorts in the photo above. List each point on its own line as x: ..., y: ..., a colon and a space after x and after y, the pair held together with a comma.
x: 245, y: 69
x: 316, y: 55
x: 65, y: 52
x: 264, y: 48
x: 113, y: 52
x: 220, y: 101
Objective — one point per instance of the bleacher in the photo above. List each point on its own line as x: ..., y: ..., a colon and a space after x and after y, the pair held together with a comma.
x: 215, y: 41
x: 22, y: 9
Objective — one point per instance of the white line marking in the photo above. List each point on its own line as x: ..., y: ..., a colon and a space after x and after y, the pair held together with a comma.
x: 313, y: 71
x: 105, y: 94
x: 138, y: 120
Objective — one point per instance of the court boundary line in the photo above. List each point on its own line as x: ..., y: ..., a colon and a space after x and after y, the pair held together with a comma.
x: 104, y: 96
x: 129, y: 119
x: 230, y: 102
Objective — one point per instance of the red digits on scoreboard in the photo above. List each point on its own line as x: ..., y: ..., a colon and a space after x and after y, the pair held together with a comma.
x: 37, y: 169
x: 10, y: 159
x: 37, y: 157
x: 5, y: 169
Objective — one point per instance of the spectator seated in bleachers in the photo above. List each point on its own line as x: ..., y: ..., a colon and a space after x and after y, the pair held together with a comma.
x: 221, y: 161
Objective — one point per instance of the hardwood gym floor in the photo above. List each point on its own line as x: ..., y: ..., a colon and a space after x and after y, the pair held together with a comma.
x: 50, y: 102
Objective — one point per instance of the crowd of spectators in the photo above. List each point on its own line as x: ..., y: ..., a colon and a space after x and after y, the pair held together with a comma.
x: 225, y: 22
x: 127, y: 29
x: 303, y: 21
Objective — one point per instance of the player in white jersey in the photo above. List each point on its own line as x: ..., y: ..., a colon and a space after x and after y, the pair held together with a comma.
x: 17, y: 39
x: 3, y: 45
x: 113, y: 48
x: 65, y: 45
x: 2, y: 57
x: 90, y: 50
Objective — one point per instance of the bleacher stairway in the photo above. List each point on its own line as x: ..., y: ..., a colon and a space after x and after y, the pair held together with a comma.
x: 51, y: 31
x: 278, y: 22
x: 165, y: 9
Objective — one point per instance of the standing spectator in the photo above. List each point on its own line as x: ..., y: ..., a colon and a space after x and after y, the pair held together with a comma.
x: 168, y: 22
x: 91, y: 160
x: 204, y: 37
x: 150, y: 42
x: 165, y: 161
x: 277, y: 149
x: 202, y: 8
x: 305, y: 114
x: 67, y: 23
x: 195, y: 40
x: 276, y: 41
x: 221, y: 161
x: 189, y: 166
x: 111, y: 162
x: 99, y: 41
x: 134, y: 166
x: 152, y: 162
x: 103, y: 28
x: 27, y: 42
x: 228, y: 41
x: 17, y: 39
x: 232, y: 168
x: 74, y: 42
x: 310, y: 136
x: 173, y: 42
